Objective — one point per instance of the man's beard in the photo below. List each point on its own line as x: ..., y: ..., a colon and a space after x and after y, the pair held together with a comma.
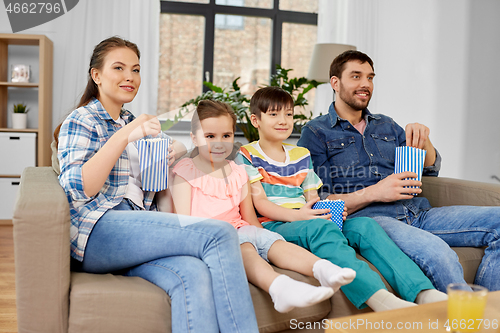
x: 351, y: 100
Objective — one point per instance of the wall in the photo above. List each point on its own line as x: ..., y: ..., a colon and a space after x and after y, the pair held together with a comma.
x: 435, y: 65
x: 482, y: 116
x: 74, y: 36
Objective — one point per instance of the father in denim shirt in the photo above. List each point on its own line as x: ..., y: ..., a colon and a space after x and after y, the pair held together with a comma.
x: 353, y: 154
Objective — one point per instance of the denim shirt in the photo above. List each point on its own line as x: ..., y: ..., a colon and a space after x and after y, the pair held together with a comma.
x: 348, y: 161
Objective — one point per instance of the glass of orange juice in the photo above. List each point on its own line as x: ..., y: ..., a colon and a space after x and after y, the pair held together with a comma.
x: 466, y: 303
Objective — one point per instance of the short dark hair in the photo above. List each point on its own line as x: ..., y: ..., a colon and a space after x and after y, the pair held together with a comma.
x: 270, y: 98
x: 211, y: 109
x: 338, y: 64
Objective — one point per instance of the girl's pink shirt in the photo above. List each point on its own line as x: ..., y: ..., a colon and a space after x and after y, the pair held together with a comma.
x: 214, y: 198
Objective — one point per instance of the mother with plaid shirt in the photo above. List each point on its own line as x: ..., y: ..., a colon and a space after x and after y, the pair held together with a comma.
x: 114, y: 223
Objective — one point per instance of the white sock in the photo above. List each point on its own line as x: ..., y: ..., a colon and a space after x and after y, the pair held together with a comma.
x: 383, y: 300
x: 430, y: 296
x: 331, y: 275
x: 288, y: 293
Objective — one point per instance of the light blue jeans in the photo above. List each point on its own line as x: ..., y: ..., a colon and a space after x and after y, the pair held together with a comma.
x: 261, y: 239
x: 427, y: 237
x: 196, y: 261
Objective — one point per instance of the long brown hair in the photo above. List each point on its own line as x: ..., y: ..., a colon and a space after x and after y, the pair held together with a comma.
x: 97, y: 61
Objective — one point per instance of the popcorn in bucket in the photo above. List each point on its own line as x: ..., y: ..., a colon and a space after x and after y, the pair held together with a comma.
x: 336, y: 209
x: 410, y: 159
x: 153, y: 160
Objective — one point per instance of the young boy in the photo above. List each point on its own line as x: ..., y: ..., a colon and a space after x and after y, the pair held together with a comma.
x: 284, y: 188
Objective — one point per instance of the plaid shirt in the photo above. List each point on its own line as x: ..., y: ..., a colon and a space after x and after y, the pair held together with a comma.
x: 82, y: 134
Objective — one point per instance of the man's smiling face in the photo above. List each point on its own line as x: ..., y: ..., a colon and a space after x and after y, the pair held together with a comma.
x: 355, y: 87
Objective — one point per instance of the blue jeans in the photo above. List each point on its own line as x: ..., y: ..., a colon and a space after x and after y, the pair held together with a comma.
x: 427, y: 237
x: 196, y: 261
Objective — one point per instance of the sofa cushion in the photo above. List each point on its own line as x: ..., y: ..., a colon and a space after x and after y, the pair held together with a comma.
x: 95, y: 298
x: 106, y: 303
x: 470, y: 258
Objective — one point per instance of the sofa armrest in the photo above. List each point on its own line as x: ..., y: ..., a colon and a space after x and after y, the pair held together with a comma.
x: 42, y: 252
x: 442, y: 191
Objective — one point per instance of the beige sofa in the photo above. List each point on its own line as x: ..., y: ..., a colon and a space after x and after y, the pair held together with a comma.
x: 52, y: 299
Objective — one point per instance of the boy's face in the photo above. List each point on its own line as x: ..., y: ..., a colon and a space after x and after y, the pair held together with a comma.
x: 274, y: 125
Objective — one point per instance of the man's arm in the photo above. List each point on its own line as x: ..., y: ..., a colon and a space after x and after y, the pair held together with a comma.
x: 417, y: 135
x: 389, y: 189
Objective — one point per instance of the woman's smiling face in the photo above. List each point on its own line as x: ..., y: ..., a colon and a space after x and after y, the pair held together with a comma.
x: 119, y: 78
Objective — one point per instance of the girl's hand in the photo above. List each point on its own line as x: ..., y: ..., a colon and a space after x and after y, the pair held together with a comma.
x: 142, y: 126
x: 306, y: 212
x: 171, y: 154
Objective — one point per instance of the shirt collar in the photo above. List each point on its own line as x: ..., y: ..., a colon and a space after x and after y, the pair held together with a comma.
x: 334, y: 117
x: 101, y: 112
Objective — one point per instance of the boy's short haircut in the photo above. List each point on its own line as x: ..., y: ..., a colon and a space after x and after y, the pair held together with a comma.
x: 270, y: 98
x: 211, y: 109
x: 338, y: 64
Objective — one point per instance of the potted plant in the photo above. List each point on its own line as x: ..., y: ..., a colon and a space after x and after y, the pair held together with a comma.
x: 297, y: 87
x: 20, y: 116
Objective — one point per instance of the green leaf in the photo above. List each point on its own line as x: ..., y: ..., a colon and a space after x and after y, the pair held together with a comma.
x: 213, y: 87
x: 296, y: 87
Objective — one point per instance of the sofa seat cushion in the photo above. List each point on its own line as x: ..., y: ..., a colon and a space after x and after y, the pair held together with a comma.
x: 470, y: 258
x: 112, y: 303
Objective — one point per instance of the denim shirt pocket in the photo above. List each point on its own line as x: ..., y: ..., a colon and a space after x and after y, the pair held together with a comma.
x: 342, y: 153
x: 386, y: 145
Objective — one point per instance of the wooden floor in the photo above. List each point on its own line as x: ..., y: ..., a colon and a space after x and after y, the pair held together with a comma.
x: 8, y: 316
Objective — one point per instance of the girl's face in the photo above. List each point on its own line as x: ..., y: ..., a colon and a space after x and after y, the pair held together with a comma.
x: 214, y: 138
x: 119, y: 78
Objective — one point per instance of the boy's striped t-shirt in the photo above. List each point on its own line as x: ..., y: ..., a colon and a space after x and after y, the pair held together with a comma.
x: 284, y: 182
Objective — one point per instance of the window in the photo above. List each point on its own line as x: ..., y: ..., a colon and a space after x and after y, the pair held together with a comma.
x: 221, y: 40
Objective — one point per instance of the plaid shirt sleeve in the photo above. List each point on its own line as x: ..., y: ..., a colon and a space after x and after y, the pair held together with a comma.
x: 78, y: 141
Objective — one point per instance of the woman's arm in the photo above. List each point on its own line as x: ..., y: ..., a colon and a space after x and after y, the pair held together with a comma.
x: 246, y: 207
x: 181, y: 196
x: 97, y: 169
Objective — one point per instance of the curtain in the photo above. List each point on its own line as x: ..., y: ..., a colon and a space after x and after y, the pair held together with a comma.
x: 76, y: 33
x: 352, y: 22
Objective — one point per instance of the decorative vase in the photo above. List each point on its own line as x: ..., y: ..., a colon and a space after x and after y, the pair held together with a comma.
x: 19, y: 120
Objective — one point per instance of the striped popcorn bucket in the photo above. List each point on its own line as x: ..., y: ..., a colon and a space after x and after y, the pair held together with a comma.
x: 336, y: 209
x: 410, y: 159
x: 153, y: 160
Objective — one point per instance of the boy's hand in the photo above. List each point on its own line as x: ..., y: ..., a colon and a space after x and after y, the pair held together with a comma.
x: 306, y: 212
x: 344, y: 213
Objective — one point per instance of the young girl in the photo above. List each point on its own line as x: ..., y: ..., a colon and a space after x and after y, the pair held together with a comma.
x: 210, y: 186
x: 113, y: 222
